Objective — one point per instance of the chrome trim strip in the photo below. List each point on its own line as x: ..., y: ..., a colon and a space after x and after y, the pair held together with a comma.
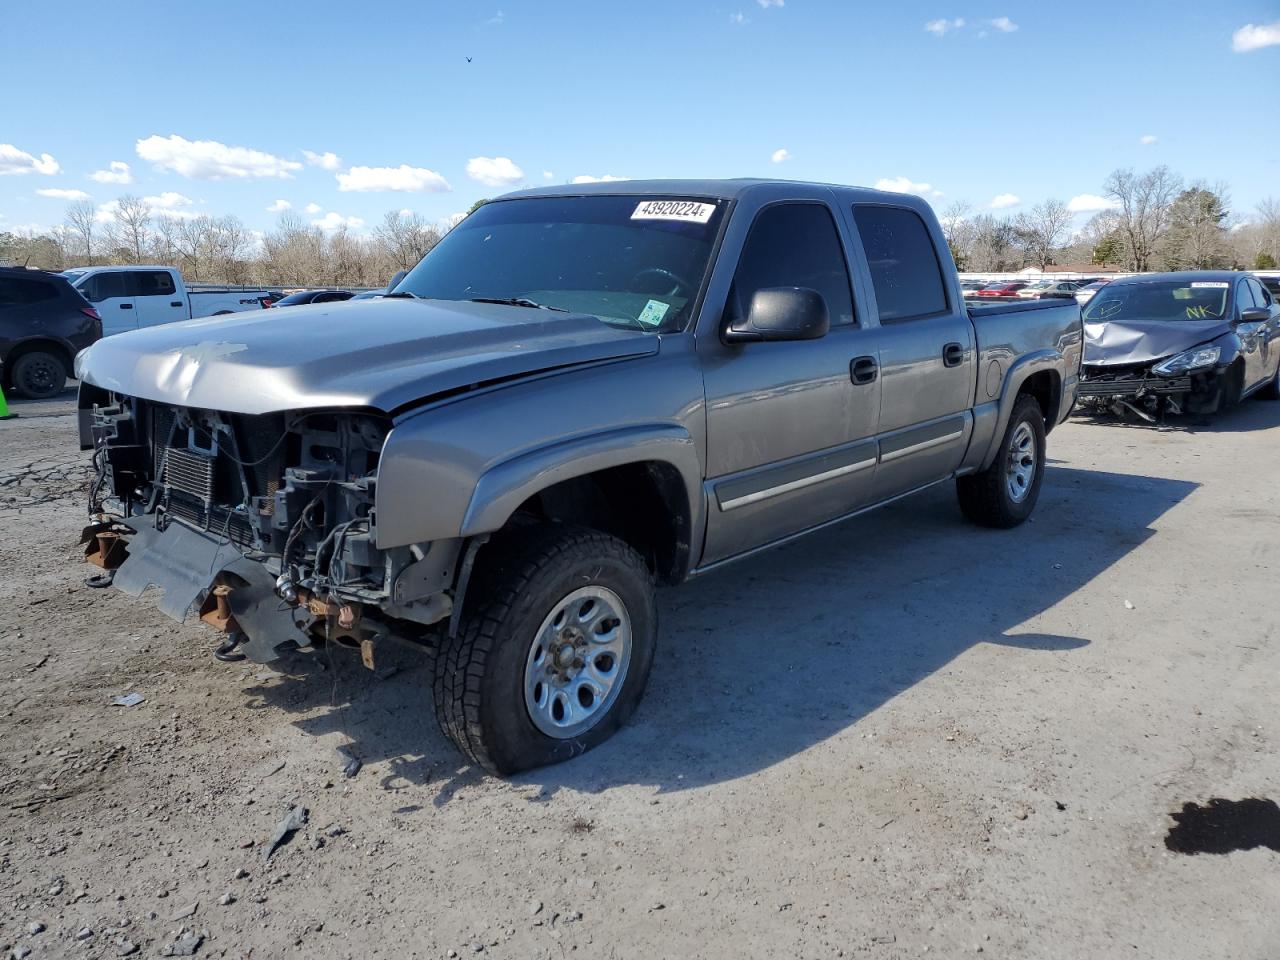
x: 782, y: 488
x: 922, y: 445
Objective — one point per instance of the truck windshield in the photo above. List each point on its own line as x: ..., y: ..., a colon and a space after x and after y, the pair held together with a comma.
x: 634, y: 262
x: 1171, y: 300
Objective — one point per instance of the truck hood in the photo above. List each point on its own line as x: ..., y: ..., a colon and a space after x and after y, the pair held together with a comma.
x: 1139, y: 341
x: 384, y: 354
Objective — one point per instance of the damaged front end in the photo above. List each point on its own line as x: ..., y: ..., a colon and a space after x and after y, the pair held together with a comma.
x: 1189, y: 383
x: 263, y: 523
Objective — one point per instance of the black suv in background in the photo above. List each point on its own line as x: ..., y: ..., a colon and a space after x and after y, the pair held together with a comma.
x: 44, y: 323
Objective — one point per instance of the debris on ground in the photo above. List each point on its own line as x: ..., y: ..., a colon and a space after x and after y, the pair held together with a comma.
x: 127, y: 700
x: 352, y: 764
x: 289, y: 824
x: 184, y: 946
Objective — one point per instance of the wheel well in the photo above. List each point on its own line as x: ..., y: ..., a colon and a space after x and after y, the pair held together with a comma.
x: 1047, y: 390
x: 30, y: 346
x: 643, y: 504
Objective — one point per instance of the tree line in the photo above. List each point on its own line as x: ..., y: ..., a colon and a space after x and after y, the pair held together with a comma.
x: 212, y: 249
x: 1155, y: 221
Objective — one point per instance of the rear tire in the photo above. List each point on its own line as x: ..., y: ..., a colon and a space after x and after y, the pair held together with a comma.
x: 1005, y: 494
x: 38, y: 375
x: 525, y: 650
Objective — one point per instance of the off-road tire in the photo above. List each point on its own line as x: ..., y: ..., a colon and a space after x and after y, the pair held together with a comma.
x: 38, y: 375
x: 479, y: 674
x: 984, y: 497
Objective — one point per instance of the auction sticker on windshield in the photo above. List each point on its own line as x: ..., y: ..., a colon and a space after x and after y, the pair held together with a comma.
x: 1214, y: 284
x: 653, y: 313
x: 690, y: 211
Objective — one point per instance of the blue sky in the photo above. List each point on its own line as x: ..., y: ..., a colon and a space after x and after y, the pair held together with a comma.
x: 212, y: 106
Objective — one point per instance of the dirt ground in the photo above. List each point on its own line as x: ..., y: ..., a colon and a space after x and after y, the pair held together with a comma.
x: 902, y: 736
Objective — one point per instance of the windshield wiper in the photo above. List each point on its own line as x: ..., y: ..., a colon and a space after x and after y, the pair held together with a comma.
x: 401, y: 293
x: 518, y: 302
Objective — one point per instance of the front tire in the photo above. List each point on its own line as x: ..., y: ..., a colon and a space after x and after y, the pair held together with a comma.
x: 1005, y: 494
x: 39, y: 375
x: 554, y: 649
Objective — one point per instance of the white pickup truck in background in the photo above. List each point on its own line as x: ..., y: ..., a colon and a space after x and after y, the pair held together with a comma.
x: 129, y: 298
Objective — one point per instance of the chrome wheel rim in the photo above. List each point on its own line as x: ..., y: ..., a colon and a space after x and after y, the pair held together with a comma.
x: 1020, y: 470
x: 577, y: 662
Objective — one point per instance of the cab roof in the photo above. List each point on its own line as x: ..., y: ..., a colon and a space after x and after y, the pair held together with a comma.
x: 1185, y: 275
x: 714, y: 189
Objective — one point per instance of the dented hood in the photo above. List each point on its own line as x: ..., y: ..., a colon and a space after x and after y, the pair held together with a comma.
x: 1140, y: 341
x: 383, y: 354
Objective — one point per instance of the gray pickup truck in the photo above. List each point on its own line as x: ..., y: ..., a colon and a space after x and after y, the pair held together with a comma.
x: 579, y: 393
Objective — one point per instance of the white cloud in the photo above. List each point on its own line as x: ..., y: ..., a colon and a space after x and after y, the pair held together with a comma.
x: 1003, y: 24
x: 117, y: 172
x: 941, y: 27
x: 171, y: 204
x: 766, y: 4
x: 548, y: 175
x: 57, y: 193
x: 1089, y: 203
x: 333, y: 220
x: 494, y: 171
x: 325, y: 161
x: 607, y: 178
x: 406, y: 212
x: 738, y: 18
x: 1003, y: 200
x: 211, y: 160
x: 907, y: 185
x: 1250, y: 37
x: 1147, y: 139
x: 313, y: 207
x: 404, y: 178
x: 780, y: 155
x: 14, y: 161
x: 279, y: 206
x: 497, y: 20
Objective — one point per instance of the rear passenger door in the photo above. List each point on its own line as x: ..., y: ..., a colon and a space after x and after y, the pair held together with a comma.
x: 109, y: 293
x: 927, y: 350
x: 156, y: 297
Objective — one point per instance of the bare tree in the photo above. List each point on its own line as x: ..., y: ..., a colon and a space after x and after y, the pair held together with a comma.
x: 404, y: 239
x: 131, y: 226
x: 959, y: 232
x: 1145, y: 204
x: 993, y: 244
x: 82, y: 221
x: 1044, y: 230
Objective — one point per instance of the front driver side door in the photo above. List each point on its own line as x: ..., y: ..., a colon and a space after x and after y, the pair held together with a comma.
x: 110, y: 296
x: 790, y: 436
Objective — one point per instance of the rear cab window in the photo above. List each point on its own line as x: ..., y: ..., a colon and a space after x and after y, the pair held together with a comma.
x: 906, y: 273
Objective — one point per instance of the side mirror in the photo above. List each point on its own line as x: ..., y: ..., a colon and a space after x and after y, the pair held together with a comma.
x: 1255, y: 315
x: 396, y: 278
x: 781, y: 313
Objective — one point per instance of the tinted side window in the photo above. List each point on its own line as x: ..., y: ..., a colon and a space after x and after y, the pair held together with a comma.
x: 904, y: 266
x: 101, y: 286
x: 1260, y: 295
x: 794, y: 245
x: 18, y: 291
x: 1244, y: 296
x: 151, y: 283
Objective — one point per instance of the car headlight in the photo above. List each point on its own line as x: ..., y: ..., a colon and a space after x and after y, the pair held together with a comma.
x: 1196, y: 359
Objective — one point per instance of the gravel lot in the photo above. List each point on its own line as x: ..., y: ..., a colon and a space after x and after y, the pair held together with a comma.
x: 901, y: 736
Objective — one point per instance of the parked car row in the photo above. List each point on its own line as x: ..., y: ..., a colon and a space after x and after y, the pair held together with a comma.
x: 1026, y: 289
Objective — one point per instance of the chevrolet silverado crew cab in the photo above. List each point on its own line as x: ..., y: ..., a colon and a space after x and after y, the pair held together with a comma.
x: 579, y: 393
x: 141, y: 296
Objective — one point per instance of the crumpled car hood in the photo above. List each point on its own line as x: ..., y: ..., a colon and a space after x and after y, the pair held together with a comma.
x: 1140, y: 341
x: 383, y: 354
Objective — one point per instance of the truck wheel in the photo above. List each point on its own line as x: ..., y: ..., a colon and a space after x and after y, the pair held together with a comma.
x: 38, y: 375
x: 553, y: 652
x: 1005, y: 493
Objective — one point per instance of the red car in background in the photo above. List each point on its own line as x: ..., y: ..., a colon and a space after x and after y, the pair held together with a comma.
x: 1001, y: 289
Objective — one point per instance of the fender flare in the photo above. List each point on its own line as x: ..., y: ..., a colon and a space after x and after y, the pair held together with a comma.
x: 503, y: 487
x: 1026, y: 366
